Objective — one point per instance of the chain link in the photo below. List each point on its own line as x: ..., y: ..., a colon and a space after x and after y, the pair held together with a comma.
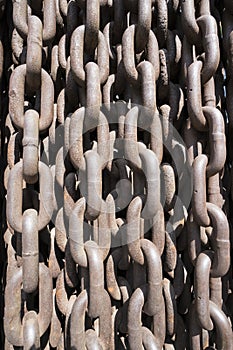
x: 116, y: 174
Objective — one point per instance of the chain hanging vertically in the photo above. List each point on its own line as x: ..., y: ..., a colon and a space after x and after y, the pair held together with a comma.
x: 116, y: 174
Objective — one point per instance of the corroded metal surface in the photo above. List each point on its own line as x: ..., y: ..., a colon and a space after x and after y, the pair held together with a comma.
x: 116, y: 174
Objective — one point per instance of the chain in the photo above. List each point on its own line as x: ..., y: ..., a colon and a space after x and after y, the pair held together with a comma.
x: 116, y: 174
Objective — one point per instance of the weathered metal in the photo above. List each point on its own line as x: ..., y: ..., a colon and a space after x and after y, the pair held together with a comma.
x: 116, y: 174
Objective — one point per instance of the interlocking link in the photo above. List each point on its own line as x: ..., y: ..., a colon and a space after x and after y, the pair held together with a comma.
x: 116, y: 174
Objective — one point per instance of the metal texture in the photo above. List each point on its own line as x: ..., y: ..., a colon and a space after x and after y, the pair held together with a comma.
x: 116, y: 180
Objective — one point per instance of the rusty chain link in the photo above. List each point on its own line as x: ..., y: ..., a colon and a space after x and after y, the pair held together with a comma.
x: 116, y: 174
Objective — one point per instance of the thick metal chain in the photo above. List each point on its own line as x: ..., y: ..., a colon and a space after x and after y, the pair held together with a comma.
x: 116, y: 174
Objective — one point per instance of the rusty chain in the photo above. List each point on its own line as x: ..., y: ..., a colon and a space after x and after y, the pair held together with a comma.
x: 116, y: 174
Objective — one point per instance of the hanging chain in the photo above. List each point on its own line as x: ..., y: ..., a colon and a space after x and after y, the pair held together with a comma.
x: 116, y: 174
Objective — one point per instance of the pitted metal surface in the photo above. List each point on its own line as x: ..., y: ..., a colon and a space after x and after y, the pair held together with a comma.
x: 116, y: 174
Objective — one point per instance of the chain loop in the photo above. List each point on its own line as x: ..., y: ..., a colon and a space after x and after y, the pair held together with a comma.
x: 116, y: 174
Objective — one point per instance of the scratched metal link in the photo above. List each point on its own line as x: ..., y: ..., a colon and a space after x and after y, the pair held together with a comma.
x: 116, y: 174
